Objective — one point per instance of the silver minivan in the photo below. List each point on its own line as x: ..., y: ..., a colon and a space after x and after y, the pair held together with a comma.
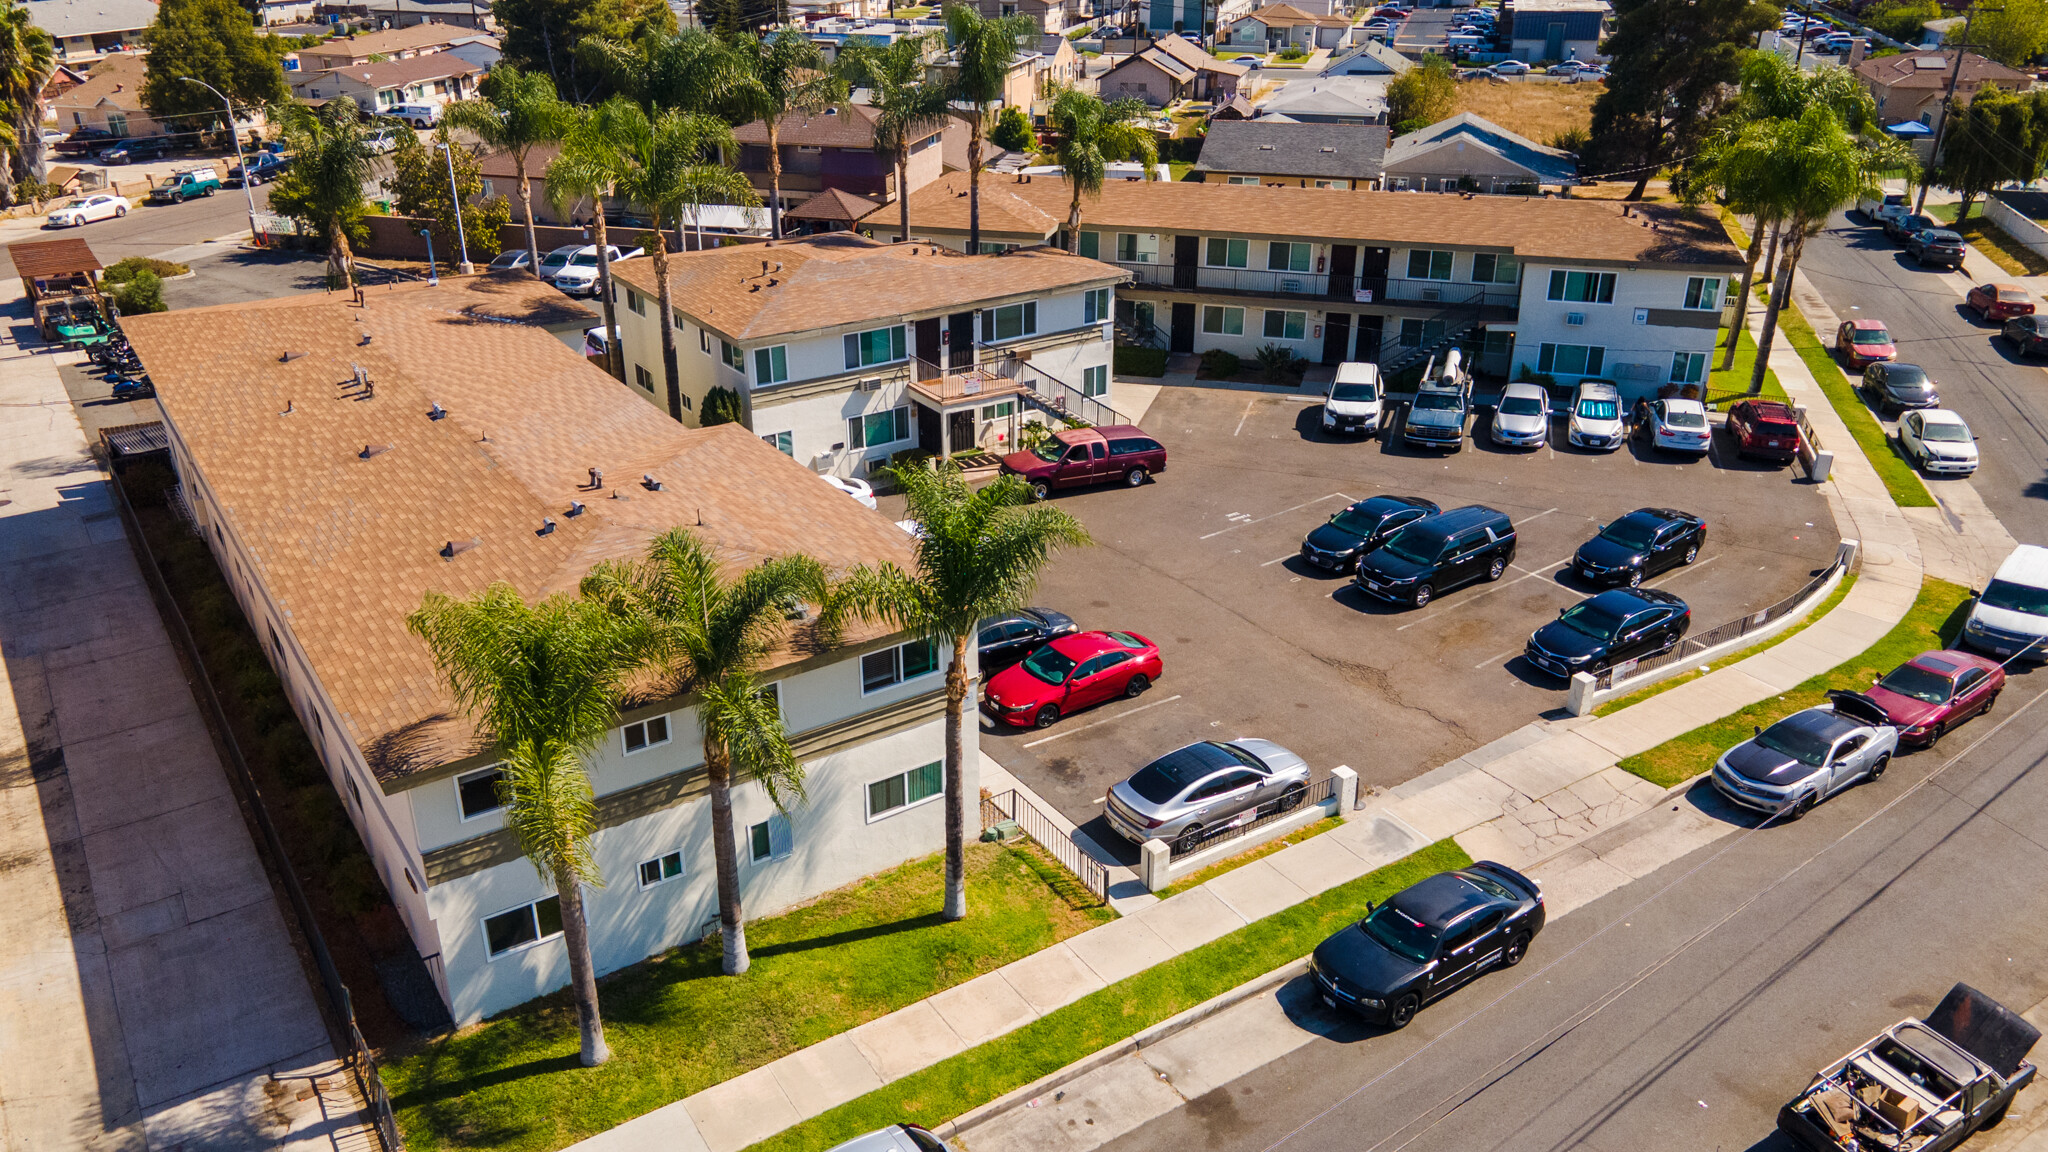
x: 2010, y: 616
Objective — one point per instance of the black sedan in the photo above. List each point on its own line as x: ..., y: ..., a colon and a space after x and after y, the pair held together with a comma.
x: 2028, y: 334
x: 1361, y: 528
x: 1640, y: 545
x: 1008, y: 638
x: 1893, y: 388
x: 1618, y: 625
x: 1425, y: 942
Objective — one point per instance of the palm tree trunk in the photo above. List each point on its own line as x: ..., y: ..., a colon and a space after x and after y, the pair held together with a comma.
x: 774, y: 179
x: 1074, y: 223
x: 903, y: 191
x: 339, y: 254
x: 1756, y: 245
x: 1771, y: 257
x: 974, y: 183
x: 614, y: 358
x: 582, y: 974
x: 732, y: 925
x: 956, y: 789
x: 526, y: 205
x: 668, y: 324
x: 1779, y: 293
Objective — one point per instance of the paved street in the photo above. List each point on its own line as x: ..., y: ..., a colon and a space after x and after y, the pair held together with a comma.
x: 147, y: 230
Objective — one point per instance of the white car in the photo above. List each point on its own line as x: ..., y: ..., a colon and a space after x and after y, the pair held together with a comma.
x: 1595, y: 420
x: 508, y: 259
x: 1566, y: 68
x: 1680, y: 426
x: 1522, y: 417
x: 579, y: 276
x: 2011, y: 614
x: 853, y: 486
x: 1510, y: 68
x: 382, y: 140
x: 1353, y: 401
x: 1939, y: 442
x: 594, y: 342
x: 86, y: 209
x: 555, y: 261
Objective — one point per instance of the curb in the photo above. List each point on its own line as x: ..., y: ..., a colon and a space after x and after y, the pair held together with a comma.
x: 1170, y: 1026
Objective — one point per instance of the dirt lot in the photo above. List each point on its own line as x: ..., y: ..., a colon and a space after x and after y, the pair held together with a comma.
x: 1538, y: 109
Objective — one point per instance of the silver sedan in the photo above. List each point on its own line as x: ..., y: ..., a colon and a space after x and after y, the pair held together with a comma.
x: 1194, y: 792
x: 1522, y: 417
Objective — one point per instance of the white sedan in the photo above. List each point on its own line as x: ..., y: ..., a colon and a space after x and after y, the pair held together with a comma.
x: 1680, y: 426
x: 1510, y: 68
x: 86, y: 209
x: 1939, y: 442
x: 853, y: 486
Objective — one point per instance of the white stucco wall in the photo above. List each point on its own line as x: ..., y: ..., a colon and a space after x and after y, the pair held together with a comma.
x: 1638, y: 295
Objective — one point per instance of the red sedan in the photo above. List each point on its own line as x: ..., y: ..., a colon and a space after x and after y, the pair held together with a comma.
x: 1069, y: 674
x: 1935, y: 691
x: 1862, y: 343
x: 2000, y: 301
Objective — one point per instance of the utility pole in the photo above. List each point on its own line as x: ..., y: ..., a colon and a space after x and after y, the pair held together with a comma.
x: 1948, y: 102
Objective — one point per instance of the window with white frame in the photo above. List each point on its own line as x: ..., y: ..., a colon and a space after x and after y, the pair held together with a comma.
x: 1339, y: 185
x: 661, y: 868
x: 878, y: 428
x: 1571, y: 359
x: 771, y: 365
x: 1284, y: 256
x: 1429, y: 264
x: 644, y: 734
x: 1493, y: 268
x: 1002, y: 411
x: 1222, y: 321
x: 1009, y: 322
x: 524, y: 926
x: 892, y: 666
x: 877, y: 346
x: 780, y: 441
x: 1091, y: 245
x: 1582, y: 287
x: 906, y: 789
x: 1095, y: 306
x: 1703, y: 293
x: 1286, y: 325
x: 636, y: 303
x: 1227, y: 252
x: 703, y: 337
x: 1137, y: 248
x: 769, y: 840
x: 1243, y: 179
x: 1095, y: 380
x: 1688, y: 367
x: 477, y: 792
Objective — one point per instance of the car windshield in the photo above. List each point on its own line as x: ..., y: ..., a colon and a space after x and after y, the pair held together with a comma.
x: 585, y: 260
x: 1522, y: 406
x: 1050, y: 665
x: 1400, y: 933
x: 2012, y: 296
x: 1797, y: 741
x: 1593, y: 619
x: 1684, y: 419
x: 1944, y: 432
x: 1630, y: 532
x: 1918, y: 683
x: 1436, y: 401
x: 555, y: 260
x: 1905, y: 377
x: 2015, y: 597
x: 1359, y: 522
x: 1049, y: 451
x: 1125, y: 639
x: 1870, y: 336
x: 1598, y: 409
x: 1354, y: 392
x: 1416, y: 547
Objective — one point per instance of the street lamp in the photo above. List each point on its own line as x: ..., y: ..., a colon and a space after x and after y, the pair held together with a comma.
x: 455, y: 197
x: 433, y: 269
x: 234, y: 136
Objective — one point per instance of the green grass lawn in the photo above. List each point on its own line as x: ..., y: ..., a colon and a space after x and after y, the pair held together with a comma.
x: 975, y: 1077
x: 1179, y: 169
x: 1946, y: 213
x: 1203, y: 876
x: 1935, y: 619
x: 1819, y: 610
x: 1732, y: 381
x: 1899, y: 478
x: 677, y: 1026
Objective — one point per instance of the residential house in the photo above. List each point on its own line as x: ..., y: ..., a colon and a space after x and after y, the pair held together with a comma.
x: 492, y: 428
x: 1171, y: 68
x: 835, y: 148
x: 387, y: 45
x: 1330, y: 100
x: 846, y: 350
x: 1911, y: 85
x: 1369, y: 58
x: 405, y: 13
x: 1567, y: 288
x: 86, y: 30
x: 1235, y: 108
x: 829, y: 211
x: 1053, y: 16
x: 1278, y: 152
x: 500, y: 177
x: 1470, y: 153
x: 436, y: 79
x: 1190, y: 17
x: 109, y: 100
x: 1060, y: 64
x: 1539, y: 30
x: 1277, y: 26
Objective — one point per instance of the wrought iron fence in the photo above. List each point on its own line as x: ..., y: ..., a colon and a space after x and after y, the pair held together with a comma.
x: 1322, y: 792
x: 1011, y: 805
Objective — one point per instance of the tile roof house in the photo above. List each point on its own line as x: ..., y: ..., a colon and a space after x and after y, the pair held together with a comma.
x: 1911, y: 85
x: 835, y: 148
x: 391, y: 43
x: 1268, y: 151
x: 1370, y: 58
x: 1276, y: 26
x: 85, y: 30
x: 1470, y: 152
x: 1171, y: 68
x: 345, y: 460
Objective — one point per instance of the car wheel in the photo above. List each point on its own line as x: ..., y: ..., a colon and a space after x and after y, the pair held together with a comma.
x: 1134, y: 477
x: 1422, y: 594
x: 1988, y: 704
x: 1799, y: 810
x: 1997, y: 1117
x: 1515, y: 951
x: 1190, y: 837
x: 1136, y: 686
x: 1599, y: 666
x: 1494, y: 570
x: 1041, y: 490
x: 1635, y: 577
x: 121, y: 211
x: 1047, y: 716
x: 1292, y: 798
x: 1885, y: 761
x: 1692, y: 553
x: 1935, y: 734
x: 1402, y: 1012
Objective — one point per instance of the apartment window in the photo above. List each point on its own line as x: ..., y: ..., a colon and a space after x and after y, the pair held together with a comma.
x: 732, y: 356
x: 636, y: 303
x: 1222, y: 321
x: 1490, y: 268
x: 1091, y: 245
x: 892, y: 666
x: 906, y: 789
x: 1571, y: 359
x: 643, y: 378
x: 516, y: 928
x: 810, y: 149
x: 477, y: 792
x: 1703, y: 292
x: 645, y: 734
x: 660, y: 868
x: 354, y: 793
x: 1095, y: 380
x: 771, y: 365
x: 1228, y: 253
x: 878, y: 428
x: 1415, y: 333
x: 778, y: 441
x: 1009, y: 322
x: 1284, y: 257
x: 1244, y: 179
x: 1286, y: 325
x: 1688, y: 367
x: 1429, y: 264
x: 1582, y: 287
x: 769, y: 840
x: 1339, y: 185
x: 703, y: 338
x: 1137, y: 248
x: 1003, y: 411
x: 879, y: 346
x: 1095, y: 306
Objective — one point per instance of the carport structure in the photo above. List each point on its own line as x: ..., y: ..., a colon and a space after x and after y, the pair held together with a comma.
x: 56, y: 267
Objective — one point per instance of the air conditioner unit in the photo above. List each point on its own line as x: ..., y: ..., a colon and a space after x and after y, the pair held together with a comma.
x: 1574, y: 319
x: 871, y: 384
x: 1432, y: 293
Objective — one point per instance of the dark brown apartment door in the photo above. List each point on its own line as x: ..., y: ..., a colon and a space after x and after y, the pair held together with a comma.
x: 1186, y: 253
x: 960, y: 341
x: 1336, y: 337
x: 1343, y: 270
x: 928, y: 348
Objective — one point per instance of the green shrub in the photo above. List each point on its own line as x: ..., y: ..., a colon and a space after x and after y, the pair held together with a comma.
x: 122, y: 271
x: 1133, y: 361
x: 1013, y: 130
x: 143, y: 293
x: 721, y: 406
x: 1219, y: 364
x: 1293, y: 52
x: 1277, y: 364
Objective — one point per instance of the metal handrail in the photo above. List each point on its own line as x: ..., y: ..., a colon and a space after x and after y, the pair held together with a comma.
x: 1011, y: 805
x: 1319, y: 793
x: 1061, y: 399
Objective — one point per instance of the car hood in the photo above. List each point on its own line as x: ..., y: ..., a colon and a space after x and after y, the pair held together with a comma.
x: 1952, y: 449
x: 1561, y: 639
x: 1279, y: 761
x: 1596, y: 427
x: 1387, y: 566
x: 1330, y: 538
x: 1024, y: 463
x: 1014, y: 685
x: 1903, y: 711
x: 1607, y: 554
x: 1436, y: 417
x: 1359, y: 961
x: 2007, y: 620
x: 1056, y: 622
x: 1752, y: 761
x: 1351, y: 407
x: 1910, y: 391
x: 1521, y: 425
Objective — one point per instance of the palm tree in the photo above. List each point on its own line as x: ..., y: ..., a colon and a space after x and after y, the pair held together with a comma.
x: 27, y: 60
x: 1091, y: 135
x: 519, y: 112
x: 907, y: 107
x: 766, y: 78
x: 593, y: 154
x: 986, y: 47
x: 710, y: 633
x: 662, y: 69
x: 542, y: 681
x: 1741, y: 167
x: 324, y: 185
x: 979, y: 553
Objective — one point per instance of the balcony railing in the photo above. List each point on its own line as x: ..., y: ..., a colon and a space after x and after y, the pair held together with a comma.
x: 1500, y: 299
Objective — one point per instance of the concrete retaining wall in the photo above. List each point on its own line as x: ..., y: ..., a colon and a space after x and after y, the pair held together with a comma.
x: 2022, y: 229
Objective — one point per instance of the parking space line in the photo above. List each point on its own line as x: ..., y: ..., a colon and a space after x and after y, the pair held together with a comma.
x: 1490, y: 660
x: 1282, y: 512
x: 1101, y: 722
x: 1539, y: 515
x: 1482, y: 595
x: 1277, y: 559
x: 1680, y: 571
x: 1247, y: 414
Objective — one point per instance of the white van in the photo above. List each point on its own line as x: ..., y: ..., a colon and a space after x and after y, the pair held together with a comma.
x: 417, y: 115
x: 1353, y: 401
x: 2011, y: 614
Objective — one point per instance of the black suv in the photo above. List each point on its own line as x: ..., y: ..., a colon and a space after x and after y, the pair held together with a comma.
x: 1619, y: 624
x: 1640, y: 545
x: 1438, y: 553
x: 1361, y: 528
x: 1008, y: 638
x: 1892, y: 388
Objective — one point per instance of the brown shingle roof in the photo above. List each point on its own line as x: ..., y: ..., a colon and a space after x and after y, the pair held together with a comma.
x: 411, y: 70
x: 835, y: 204
x: 116, y: 80
x: 1533, y: 228
x: 851, y: 126
x: 538, y: 157
x: 1284, y: 15
x: 1904, y: 71
x: 1191, y: 54
x: 346, y: 546
x: 52, y: 258
x: 843, y: 278
x: 427, y: 35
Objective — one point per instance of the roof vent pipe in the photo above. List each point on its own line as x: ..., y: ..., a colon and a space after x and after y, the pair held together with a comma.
x: 547, y: 525
x: 575, y: 509
x: 648, y: 482
x: 436, y: 412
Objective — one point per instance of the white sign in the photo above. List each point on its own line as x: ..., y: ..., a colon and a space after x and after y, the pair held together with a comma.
x: 276, y: 225
x: 1361, y: 295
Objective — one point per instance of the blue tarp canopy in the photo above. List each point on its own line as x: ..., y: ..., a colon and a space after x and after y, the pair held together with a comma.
x: 1909, y: 128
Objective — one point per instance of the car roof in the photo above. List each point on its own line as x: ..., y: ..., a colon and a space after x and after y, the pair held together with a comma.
x: 1629, y: 601
x: 1523, y: 389
x: 1941, y: 416
x: 1768, y: 409
x: 890, y: 1139
x: 1081, y: 645
x: 2027, y: 565
x: 1598, y: 388
x: 1459, y: 519
x: 1680, y: 404
x: 1821, y: 722
x: 1441, y: 899
x: 1388, y: 502
x: 1356, y: 372
x: 1867, y: 325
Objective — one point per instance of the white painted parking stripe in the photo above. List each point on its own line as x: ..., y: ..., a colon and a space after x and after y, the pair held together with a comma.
x: 1277, y: 559
x: 1680, y: 571
x: 1491, y: 660
x: 1539, y: 515
x: 1282, y: 512
x: 1483, y: 593
x: 1101, y: 722
x: 1247, y: 414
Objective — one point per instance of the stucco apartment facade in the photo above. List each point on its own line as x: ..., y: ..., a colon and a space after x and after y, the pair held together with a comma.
x: 846, y: 350
x: 344, y: 460
x: 1569, y: 289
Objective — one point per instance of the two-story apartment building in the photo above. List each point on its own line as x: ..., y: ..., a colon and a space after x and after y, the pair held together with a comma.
x: 835, y: 149
x: 342, y: 461
x: 847, y: 350
x: 436, y: 79
x: 1568, y: 289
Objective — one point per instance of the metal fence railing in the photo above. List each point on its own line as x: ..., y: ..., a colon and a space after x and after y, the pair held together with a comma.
x: 1698, y: 642
x: 1322, y: 792
x: 1011, y: 805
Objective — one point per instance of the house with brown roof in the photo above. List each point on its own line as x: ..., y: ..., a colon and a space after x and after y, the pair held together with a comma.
x: 435, y: 79
x: 1053, y: 16
x: 110, y: 99
x: 1276, y: 26
x: 1569, y: 289
x: 1911, y: 85
x: 345, y: 460
x: 82, y: 31
x: 835, y: 148
x: 388, y: 44
x: 1171, y: 68
x: 845, y: 350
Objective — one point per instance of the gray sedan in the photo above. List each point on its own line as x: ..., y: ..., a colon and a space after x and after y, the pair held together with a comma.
x: 1522, y: 417
x: 1196, y: 791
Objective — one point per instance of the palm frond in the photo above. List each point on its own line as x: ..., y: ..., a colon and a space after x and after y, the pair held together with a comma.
x: 736, y: 711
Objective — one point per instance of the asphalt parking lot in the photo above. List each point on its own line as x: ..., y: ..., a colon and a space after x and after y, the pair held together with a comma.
x: 1204, y: 562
